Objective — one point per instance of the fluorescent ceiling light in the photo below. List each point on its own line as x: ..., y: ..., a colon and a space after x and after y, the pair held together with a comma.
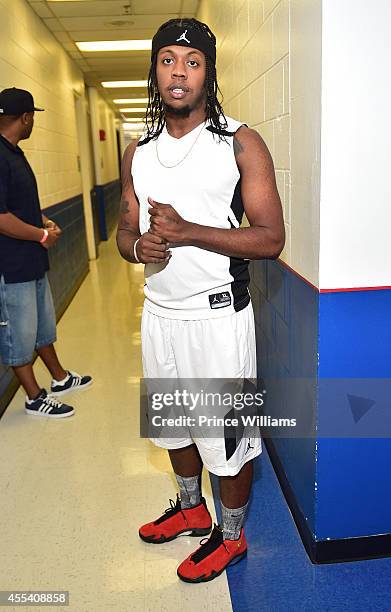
x: 115, y: 45
x: 133, y: 126
x: 130, y: 100
x: 124, y: 83
x: 134, y: 120
x: 136, y: 109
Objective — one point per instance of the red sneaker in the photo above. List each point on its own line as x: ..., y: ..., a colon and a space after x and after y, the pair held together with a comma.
x: 175, y: 521
x: 212, y: 557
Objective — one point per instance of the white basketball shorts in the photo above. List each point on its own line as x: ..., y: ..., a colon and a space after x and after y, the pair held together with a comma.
x: 209, y: 348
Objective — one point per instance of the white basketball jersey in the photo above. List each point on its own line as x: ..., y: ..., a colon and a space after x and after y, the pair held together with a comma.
x: 204, y: 188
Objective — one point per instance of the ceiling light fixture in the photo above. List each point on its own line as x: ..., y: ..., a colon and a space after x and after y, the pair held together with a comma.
x: 119, y: 23
x: 134, y: 120
x: 136, y: 109
x: 130, y: 100
x: 124, y: 83
x: 114, y: 45
x: 133, y: 126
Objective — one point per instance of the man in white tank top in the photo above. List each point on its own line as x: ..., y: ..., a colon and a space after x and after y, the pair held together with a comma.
x: 186, y: 184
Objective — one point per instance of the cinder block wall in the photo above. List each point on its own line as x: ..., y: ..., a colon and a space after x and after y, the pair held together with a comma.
x: 253, y: 75
x: 31, y: 58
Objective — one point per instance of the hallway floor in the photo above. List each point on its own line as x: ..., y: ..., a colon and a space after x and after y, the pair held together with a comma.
x: 74, y: 491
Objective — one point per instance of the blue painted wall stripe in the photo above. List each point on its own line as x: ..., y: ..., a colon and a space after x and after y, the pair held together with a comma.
x: 341, y: 486
x: 286, y: 315
x: 354, y: 479
x: 107, y: 203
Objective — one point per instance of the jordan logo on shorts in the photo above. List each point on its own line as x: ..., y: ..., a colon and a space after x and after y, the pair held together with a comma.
x: 249, y: 447
x: 183, y: 37
x: 220, y: 300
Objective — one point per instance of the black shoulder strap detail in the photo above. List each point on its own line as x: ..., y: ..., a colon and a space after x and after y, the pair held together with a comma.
x: 144, y: 141
x: 220, y: 132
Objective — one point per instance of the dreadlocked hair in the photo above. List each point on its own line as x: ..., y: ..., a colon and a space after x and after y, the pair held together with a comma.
x: 155, y: 119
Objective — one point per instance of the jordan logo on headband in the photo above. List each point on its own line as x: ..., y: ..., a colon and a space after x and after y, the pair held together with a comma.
x: 183, y: 37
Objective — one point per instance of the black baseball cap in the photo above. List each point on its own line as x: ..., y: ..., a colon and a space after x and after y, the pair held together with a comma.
x: 15, y: 101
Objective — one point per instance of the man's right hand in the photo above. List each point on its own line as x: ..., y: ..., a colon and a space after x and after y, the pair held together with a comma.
x: 53, y: 236
x: 152, y: 249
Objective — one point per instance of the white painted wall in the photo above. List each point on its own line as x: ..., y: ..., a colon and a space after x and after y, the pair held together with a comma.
x: 355, y: 185
x: 85, y: 171
x: 105, y: 151
x: 269, y: 67
x: 31, y: 58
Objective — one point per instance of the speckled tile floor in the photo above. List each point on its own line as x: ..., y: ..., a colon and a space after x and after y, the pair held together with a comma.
x: 74, y: 491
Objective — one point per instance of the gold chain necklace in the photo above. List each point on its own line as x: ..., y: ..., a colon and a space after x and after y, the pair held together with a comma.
x: 186, y: 154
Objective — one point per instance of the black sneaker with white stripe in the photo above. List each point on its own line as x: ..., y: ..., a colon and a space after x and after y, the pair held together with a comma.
x: 48, y: 406
x: 73, y: 382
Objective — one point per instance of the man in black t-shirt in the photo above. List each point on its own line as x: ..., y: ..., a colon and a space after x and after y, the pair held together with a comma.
x: 27, y: 318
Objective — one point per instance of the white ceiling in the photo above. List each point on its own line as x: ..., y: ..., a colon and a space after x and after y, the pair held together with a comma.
x: 85, y: 20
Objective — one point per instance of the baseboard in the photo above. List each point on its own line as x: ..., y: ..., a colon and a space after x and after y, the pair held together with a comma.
x: 8, y: 394
x: 328, y: 551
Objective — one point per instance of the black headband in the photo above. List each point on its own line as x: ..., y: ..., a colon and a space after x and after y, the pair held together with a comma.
x: 185, y: 37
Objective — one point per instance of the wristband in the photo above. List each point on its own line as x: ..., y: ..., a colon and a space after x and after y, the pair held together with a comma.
x: 44, y: 237
x: 134, y: 251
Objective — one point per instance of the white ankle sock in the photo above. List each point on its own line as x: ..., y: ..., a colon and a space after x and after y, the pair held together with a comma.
x: 61, y: 382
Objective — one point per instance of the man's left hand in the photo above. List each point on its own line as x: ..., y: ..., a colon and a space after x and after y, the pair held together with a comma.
x: 49, y: 224
x: 168, y: 224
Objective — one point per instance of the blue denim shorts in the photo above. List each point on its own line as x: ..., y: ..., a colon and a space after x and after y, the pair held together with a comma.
x: 27, y: 320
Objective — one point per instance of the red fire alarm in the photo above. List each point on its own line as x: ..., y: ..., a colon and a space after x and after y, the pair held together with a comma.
x: 102, y: 135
